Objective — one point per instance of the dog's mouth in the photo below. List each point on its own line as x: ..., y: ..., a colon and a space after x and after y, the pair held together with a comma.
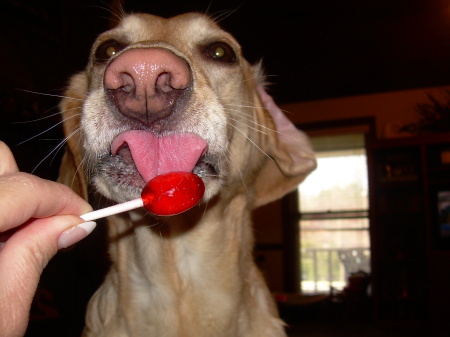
x: 153, y: 155
x: 205, y: 168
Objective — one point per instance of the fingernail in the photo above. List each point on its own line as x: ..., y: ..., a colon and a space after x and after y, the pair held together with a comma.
x: 75, y: 234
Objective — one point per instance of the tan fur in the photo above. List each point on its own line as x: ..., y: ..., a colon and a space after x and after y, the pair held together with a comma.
x: 193, y: 274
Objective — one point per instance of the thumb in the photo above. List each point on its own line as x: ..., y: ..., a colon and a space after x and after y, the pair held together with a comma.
x: 22, y: 260
x: 8, y: 163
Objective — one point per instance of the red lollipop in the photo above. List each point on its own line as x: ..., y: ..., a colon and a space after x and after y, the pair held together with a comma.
x: 167, y: 194
x: 172, y: 193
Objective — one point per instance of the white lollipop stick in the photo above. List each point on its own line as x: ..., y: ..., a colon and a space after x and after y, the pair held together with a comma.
x: 119, y: 208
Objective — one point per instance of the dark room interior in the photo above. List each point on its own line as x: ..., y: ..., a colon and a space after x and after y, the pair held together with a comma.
x: 368, y: 65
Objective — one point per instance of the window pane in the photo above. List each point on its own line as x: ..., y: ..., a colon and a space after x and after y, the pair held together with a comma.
x: 323, y: 269
x: 335, y: 239
x: 338, y: 183
x: 328, y: 257
x: 334, y: 224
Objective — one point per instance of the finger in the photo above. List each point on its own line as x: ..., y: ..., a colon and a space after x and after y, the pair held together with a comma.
x: 7, y: 162
x: 22, y: 260
x: 24, y: 196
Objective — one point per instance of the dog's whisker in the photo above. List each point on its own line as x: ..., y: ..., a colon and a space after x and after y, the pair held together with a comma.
x: 78, y: 168
x: 114, y: 17
x: 39, y: 119
x: 250, y: 127
x: 249, y: 105
x: 152, y: 225
x: 264, y: 76
x: 88, y: 167
x: 62, y: 112
x: 238, y: 112
x: 64, y: 141
x: 250, y: 118
x: 55, y: 149
x: 114, y: 9
x: 255, y: 106
x: 224, y: 14
x: 251, y: 141
x: 205, y: 209
x: 256, y: 124
x: 259, y: 79
x: 205, y: 175
x: 217, y: 16
x: 50, y: 128
x: 239, y: 170
x: 45, y: 115
x: 118, y: 11
x: 208, y: 8
x: 51, y: 95
x: 163, y: 244
x: 99, y: 199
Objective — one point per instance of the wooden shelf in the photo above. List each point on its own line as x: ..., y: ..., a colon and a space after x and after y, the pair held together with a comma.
x: 405, y: 178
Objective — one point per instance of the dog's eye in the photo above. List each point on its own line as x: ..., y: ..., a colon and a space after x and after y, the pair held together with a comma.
x: 107, y: 50
x: 220, y: 51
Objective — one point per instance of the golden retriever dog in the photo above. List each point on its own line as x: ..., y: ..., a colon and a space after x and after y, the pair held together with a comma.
x: 161, y: 95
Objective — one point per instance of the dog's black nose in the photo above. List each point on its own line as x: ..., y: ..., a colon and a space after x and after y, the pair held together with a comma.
x: 146, y: 83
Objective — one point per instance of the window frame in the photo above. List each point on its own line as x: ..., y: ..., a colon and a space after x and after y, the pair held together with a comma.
x: 291, y: 213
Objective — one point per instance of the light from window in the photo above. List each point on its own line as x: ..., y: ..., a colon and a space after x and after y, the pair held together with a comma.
x: 334, y: 225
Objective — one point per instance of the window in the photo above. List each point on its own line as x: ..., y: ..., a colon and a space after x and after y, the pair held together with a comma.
x: 334, y: 219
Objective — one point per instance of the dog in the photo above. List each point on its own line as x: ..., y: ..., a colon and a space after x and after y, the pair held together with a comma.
x: 161, y: 95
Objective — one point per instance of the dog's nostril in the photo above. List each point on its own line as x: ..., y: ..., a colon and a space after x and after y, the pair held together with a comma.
x: 163, y: 82
x: 126, y: 88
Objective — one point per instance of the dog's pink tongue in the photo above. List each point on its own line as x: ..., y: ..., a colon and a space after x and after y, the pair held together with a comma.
x: 158, y: 155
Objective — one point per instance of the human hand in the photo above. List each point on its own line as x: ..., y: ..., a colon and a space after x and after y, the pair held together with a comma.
x: 37, y: 218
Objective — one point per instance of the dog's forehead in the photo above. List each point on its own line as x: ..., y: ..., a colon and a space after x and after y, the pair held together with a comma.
x: 145, y: 27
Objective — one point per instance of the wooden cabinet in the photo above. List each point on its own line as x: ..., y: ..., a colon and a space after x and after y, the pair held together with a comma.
x: 409, y: 218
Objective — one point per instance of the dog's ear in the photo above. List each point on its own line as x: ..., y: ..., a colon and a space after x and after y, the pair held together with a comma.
x: 71, y: 172
x: 290, y: 157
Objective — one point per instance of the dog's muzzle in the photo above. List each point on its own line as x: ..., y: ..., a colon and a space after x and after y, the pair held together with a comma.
x: 145, y: 84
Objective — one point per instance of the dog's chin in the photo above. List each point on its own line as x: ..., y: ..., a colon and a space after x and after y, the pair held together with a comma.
x: 118, y: 179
